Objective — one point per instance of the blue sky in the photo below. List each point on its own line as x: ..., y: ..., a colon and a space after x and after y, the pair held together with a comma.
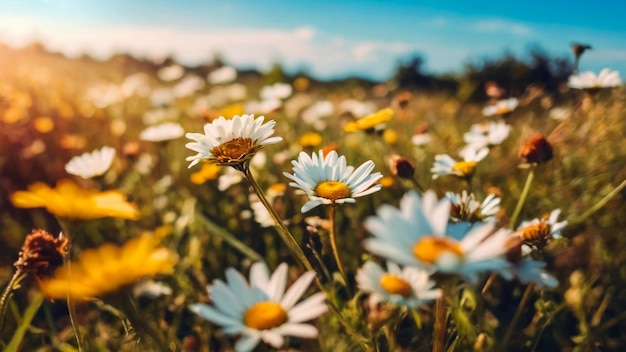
x: 327, y: 38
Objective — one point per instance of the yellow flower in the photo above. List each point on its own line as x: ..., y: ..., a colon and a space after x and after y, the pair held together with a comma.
x: 309, y: 140
x: 70, y: 202
x: 231, y: 111
x: 390, y: 137
x: 108, y: 268
x: 44, y: 124
x: 208, y: 172
x: 370, y: 122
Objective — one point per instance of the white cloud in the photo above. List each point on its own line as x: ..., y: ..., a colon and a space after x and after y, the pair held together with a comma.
x: 325, y: 55
x: 499, y: 25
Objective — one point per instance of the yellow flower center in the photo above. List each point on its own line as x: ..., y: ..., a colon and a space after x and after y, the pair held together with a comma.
x: 464, y: 168
x: 538, y: 232
x: 235, y: 150
x: 396, y: 285
x: 429, y: 248
x: 333, y: 190
x: 503, y: 110
x: 265, y: 315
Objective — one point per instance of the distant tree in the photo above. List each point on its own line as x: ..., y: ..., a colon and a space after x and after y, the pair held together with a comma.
x: 408, y: 74
x: 276, y: 74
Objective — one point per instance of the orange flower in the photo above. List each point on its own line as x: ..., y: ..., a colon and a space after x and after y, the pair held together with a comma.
x: 70, y: 202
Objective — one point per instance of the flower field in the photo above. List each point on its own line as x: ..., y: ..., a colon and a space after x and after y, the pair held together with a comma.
x: 158, y: 207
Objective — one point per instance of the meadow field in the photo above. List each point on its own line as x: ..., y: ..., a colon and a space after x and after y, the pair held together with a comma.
x: 222, y: 209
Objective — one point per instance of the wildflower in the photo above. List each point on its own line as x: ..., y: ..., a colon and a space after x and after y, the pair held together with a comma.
x: 408, y: 286
x: 373, y: 122
x: 525, y: 269
x: 493, y: 90
x: 357, y: 108
x: 163, y: 132
x: 390, y: 137
x: 277, y: 91
x: 536, y: 149
x: 224, y: 74
x: 588, y: 80
x: 445, y: 165
x: 481, y: 135
x: 41, y: 253
x: 310, y: 140
x: 43, y: 124
x: 261, y: 310
x: 108, y: 268
x: 151, y: 289
x: 92, y: 164
x: 68, y: 201
x: 171, y: 72
x: 329, y: 180
x: 464, y: 207
x: 560, y: 113
x: 418, y: 234
x: 579, y: 49
x: 207, y: 172
x: 315, y: 115
x: 421, y: 136
x: 538, y: 232
x: 231, y: 142
x: 401, y: 167
x: 187, y: 86
x: 501, y: 107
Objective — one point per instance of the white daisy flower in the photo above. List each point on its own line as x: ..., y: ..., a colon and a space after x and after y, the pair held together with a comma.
x: 328, y: 179
x: 524, y: 268
x: 171, y: 72
x: 465, y: 207
x: 188, y: 86
x: 418, y: 234
x: 162, y: 132
x: 261, y: 310
x: 420, y: 139
x: 231, y: 141
x: 229, y: 178
x: 277, y: 91
x: 538, y: 232
x: 487, y: 135
x: 446, y: 165
x: 224, y: 74
x: 501, y: 107
x: 588, y: 80
x: 316, y: 114
x: 531, y: 271
x: 92, y: 164
x: 410, y: 287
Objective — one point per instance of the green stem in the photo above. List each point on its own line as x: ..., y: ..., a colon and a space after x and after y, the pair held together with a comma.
x: 417, y: 185
x: 439, y: 337
x: 518, y: 313
x: 229, y: 238
x: 283, y: 232
x: 488, y: 283
x: 18, y: 335
x: 522, y: 198
x: 391, y: 338
x: 333, y: 244
x: 71, y: 305
x: 17, y: 276
x: 142, y: 325
x: 598, y: 205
